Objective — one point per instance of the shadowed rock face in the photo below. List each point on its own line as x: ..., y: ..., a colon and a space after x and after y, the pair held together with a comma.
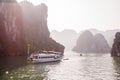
x: 11, y: 33
x: 91, y: 44
x: 24, y: 25
x: 116, y: 45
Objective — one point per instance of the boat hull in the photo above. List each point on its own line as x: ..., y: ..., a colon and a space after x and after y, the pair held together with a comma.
x: 46, y: 60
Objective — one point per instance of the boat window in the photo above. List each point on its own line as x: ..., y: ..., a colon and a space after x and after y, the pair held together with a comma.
x: 35, y: 57
x: 47, y: 57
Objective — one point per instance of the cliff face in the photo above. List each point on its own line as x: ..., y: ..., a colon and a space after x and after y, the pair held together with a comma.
x: 24, y: 25
x: 36, y: 29
x: 11, y: 37
x: 115, y: 51
x: 35, y: 19
x: 91, y: 44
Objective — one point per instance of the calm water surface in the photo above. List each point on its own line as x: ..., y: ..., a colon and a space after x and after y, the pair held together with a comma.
x: 72, y: 67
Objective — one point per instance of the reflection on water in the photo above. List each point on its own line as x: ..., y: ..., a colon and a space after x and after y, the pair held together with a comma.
x: 72, y: 67
x: 9, y: 63
x: 29, y: 72
x: 117, y: 67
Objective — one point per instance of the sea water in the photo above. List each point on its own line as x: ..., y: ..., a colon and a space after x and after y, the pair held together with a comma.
x: 89, y: 66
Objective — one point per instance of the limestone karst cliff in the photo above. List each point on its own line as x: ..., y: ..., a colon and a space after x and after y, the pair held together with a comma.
x: 36, y: 28
x: 22, y: 24
x: 11, y: 32
x: 89, y: 43
x: 115, y: 51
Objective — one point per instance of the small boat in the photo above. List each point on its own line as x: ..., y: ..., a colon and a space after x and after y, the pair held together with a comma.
x: 80, y: 54
x: 66, y: 59
x: 46, y: 56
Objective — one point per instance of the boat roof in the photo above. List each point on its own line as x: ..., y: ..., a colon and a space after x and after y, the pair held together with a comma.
x: 43, y: 54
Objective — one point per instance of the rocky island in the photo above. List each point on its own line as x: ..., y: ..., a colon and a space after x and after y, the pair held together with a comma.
x: 89, y: 43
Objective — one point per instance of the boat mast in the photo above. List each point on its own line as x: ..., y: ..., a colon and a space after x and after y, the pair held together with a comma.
x: 28, y: 50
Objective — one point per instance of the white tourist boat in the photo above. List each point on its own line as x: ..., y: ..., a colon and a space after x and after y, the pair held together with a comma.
x: 46, y: 56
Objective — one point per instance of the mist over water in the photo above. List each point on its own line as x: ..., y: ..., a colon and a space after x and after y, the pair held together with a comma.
x: 72, y: 67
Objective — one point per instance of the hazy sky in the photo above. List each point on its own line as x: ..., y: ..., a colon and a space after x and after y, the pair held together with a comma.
x: 82, y: 14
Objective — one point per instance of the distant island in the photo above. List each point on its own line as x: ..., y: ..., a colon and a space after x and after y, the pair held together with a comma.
x: 67, y: 37
x: 89, y: 43
x: 108, y: 34
x: 23, y: 24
